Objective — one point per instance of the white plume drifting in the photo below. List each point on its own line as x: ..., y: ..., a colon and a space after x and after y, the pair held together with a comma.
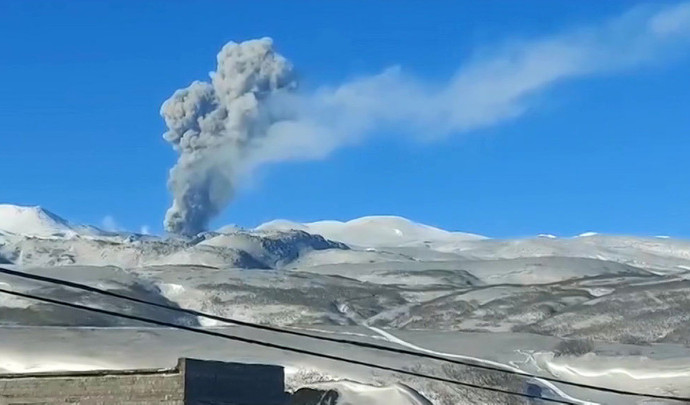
x: 249, y: 116
x: 214, y: 126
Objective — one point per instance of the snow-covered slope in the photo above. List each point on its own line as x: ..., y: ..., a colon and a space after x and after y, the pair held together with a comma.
x: 242, y: 249
x: 380, y: 278
x: 374, y: 231
x: 352, y: 393
x: 32, y: 236
x: 663, y: 255
x: 36, y: 221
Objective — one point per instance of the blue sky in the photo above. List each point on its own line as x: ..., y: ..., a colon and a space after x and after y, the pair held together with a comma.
x: 83, y: 83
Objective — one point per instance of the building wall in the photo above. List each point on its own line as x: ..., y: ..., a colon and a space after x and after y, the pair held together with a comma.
x: 217, y: 382
x: 139, y: 389
x: 192, y: 382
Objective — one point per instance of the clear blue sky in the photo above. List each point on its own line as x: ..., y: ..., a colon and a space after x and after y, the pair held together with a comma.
x: 83, y: 81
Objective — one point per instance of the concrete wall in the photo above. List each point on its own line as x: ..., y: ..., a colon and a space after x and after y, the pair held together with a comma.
x: 90, y: 389
x: 192, y: 382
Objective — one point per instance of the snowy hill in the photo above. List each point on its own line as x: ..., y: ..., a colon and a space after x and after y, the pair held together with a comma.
x: 374, y: 231
x: 384, y: 279
x: 32, y: 236
x: 32, y: 221
x: 39, y: 222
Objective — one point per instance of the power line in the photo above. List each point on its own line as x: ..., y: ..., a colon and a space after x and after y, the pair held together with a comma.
x: 278, y: 346
x: 274, y: 329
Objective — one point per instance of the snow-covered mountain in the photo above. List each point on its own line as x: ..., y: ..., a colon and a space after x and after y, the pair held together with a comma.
x: 36, y: 221
x: 374, y: 231
x: 32, y: 236
x: 519, y: 303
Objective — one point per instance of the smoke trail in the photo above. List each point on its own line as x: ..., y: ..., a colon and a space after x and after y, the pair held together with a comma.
x: 247, y: 116
x: 212, y: 125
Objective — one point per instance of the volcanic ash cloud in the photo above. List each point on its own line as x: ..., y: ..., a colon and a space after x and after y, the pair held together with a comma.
x: 248, y: 117
x: 213, y: 126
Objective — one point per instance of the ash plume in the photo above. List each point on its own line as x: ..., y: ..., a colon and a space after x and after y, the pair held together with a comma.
x: 248, y: 116
x: 213, y: 125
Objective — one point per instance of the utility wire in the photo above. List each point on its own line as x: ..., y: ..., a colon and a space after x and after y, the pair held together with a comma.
x: 274, y: 329
x: 278, y: 346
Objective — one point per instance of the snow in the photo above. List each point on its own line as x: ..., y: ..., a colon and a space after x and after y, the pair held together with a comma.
x: 587, y: 234
x: 374, y: 231
x: 32, y: 221
x: 503, y: 302
x: 48, y: 349
x: 549, y: 385
x: 352, y: 393
x: 10, y: 301
x: 645, y: 374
